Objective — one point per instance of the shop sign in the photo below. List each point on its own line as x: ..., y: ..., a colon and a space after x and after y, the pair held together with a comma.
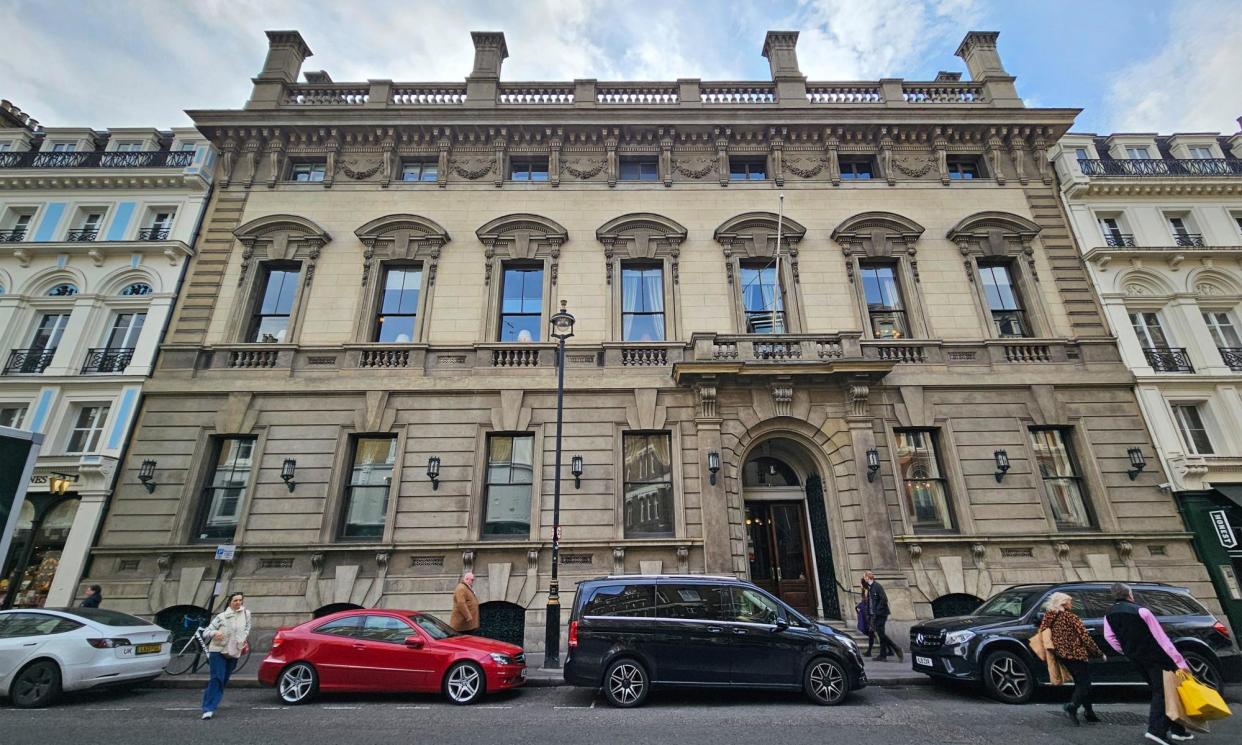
x: 1224, y: 531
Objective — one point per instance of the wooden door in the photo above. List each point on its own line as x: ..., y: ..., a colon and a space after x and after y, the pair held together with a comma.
x: 777, y: 547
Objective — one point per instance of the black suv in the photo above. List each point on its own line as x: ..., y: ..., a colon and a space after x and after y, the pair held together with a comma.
x: 627, y: 633
x: 990, y: 645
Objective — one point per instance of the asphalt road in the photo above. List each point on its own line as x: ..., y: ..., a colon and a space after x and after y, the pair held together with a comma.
x: 912, y: 715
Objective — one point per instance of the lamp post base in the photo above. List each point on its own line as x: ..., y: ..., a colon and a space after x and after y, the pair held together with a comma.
x: 552, y: 637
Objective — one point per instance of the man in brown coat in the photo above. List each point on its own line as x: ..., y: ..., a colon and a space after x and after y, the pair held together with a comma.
x: 465, y: 616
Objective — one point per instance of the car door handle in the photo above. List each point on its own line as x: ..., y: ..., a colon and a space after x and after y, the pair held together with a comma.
x: 360, y: 646
x: 714, y: 629
x: 31, y: 644
x: 740, y: 632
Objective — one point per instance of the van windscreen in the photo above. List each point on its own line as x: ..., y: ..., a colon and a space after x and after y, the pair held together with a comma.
x: 630, y: 601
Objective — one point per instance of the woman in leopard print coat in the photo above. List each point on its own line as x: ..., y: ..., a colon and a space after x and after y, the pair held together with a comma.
x: 1074, y: 647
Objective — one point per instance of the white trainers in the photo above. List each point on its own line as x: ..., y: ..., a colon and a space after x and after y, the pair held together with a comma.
x: 1156, y: 739
x: 1181, y: 738
x: 208, y: 714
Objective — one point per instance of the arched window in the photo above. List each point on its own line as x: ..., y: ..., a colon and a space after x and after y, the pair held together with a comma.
x: 765, y: 471
x: 66, y: 289
x: 137, y: 289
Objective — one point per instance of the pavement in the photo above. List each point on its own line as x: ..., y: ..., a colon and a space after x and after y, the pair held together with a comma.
x: 900, y: 715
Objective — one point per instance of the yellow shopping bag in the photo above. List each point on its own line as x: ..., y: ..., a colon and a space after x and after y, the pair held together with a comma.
x: 1200, y: 701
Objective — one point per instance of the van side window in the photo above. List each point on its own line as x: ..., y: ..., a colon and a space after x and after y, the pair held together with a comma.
x: 694, y: 602
x: 1168, y: 603
x: 631, y: 601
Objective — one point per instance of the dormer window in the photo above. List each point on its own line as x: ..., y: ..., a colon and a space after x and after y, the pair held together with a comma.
x: 1138, y: 153
x: 129, y: 147
x: 64, y: 147
x: 307, y: 171
x: 1201, y: 152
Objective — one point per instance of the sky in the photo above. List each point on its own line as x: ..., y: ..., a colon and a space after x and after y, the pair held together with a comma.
x: 1131, y: 65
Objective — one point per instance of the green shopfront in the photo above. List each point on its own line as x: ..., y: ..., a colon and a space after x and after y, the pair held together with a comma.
x: 1215, y: 518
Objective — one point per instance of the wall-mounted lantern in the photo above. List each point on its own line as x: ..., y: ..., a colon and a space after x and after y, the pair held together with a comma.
x: 713, y: 466
x: 287, y: 470
x: 873, y: 463
x: 575, y: 467
x: 1002, y: 464
x: 433, y: 471
x: 1137, y: 463
x: 146, y: 474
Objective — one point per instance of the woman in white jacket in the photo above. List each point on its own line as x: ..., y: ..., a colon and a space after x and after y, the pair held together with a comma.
x: 228, y: 635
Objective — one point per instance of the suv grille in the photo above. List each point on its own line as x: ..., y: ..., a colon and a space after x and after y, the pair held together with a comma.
x: 926, y: 639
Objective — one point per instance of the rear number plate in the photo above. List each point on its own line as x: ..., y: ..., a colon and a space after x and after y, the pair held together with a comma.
x: 924, y: 661
x: 147, y: 649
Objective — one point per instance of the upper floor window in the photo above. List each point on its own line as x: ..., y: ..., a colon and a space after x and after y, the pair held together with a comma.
x: 1003, y: 299
x: 12, y: 416
x: 158, y: 226
x: 1183, y: 230
x: 270, y: 321
x: 420, y: 170
x: 926, y: 491
x: 225, y: 488
x: 521, y: 304
x: 126, y: 328
x: 1237, y: 219
x: 67, y: 289
x: 1149, y: 331
x: 51, y: 328
x: 510, y: 478
x: 15, y: 226
x: 749, y: 168
x: 1061, y: 477
x: 528, y: 169
x: 87, y: 429
x: 308, y: 171
x: 398, y: 309
x: 762, y: 301
x: 370, y: 481
x: 638, y: 168
x: 1114, y: 232
x: 64, y: 147
x: 642, y: 302
x: 1201, y: 152
x: 882, y: 292
x: 1224, y: 332
x: 129, y: 147
x: 183, y: 147
x: 5, y: 146
x: 963, y: 167
x: 1194, y: 433
x: 1081, y: 153
x: 137, y: 289
x: 87, y: 228
x: 1138, y: 153
x: 648, y: 468
x: 856, y: 168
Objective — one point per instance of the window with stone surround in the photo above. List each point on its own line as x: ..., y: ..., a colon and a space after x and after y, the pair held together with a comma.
x: 521, y: 254
x: 647, y: 465
x: 307, y: 170
x: 528, y: 168
x: 398, y: 277
x: 1201, y: 152
x: 881, y: 261
x: 269, y: 321
x: 521, y: 303
x: 748, y: 167
x: 766, y: 292
x: 224, y: 490
x: 964, y: 167
x: 278, y: 258
x: 508, y: 489
x: 642, y: 301
x: 88, y: 427
x: 1004, y: 300
x: 1190, y: 424
x: 420, y: 169
x: 12, y: 416
x: 922, y: 479
x: 1000, y: 263
x: 638, y: 168
x: 1062, y: 478
x: 641, y: 252
x: 368, y: 487
x: 397, y: 315
x: 856, y: 168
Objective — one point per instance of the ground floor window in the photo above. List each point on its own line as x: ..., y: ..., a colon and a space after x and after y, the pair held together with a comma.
x: 30, y: 569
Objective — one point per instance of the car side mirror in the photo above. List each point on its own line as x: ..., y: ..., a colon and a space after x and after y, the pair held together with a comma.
x: 781, y: 624
x: 414, y: 642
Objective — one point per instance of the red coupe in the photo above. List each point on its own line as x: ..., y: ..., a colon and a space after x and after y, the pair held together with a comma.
x: 388, y: 651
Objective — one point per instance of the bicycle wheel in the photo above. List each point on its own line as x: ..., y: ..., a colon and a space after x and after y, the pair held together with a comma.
x: 241, y: 661
x: 185, y: 657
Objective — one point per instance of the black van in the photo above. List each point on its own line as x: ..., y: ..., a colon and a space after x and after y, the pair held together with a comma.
x: 990, y: 645
x: 628, y: 633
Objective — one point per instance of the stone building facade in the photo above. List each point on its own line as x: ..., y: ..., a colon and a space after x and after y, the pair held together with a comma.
x: 96, y: 229
x: 1159, y: 221
x: 808, y: 316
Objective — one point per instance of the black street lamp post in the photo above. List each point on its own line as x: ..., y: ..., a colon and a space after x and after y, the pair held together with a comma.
x: 562, y: 328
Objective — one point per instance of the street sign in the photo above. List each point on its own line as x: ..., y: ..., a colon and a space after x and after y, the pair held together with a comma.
x: 225, y: 553
x: 1224, y: 531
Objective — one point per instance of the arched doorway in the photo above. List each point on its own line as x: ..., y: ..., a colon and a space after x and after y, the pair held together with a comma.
x: 788, y: 549
x: 502, y: 621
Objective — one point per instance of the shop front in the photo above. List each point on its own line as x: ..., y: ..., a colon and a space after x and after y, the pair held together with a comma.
x: 1215, y: 518
x: 43, y: 530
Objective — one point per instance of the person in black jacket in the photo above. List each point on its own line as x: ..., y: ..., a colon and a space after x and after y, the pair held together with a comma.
x: 94, y: 596
x: 879, y: 616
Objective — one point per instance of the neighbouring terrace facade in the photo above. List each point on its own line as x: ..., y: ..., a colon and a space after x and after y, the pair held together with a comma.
x: 1159, y: 221
x: 95, y: 231
x: 358, y: 388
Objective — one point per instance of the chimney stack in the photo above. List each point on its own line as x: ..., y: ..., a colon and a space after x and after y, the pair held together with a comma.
x: 483, y: 83
x: 781, y: 50
x: 286, y: 51
x: 978, y: 49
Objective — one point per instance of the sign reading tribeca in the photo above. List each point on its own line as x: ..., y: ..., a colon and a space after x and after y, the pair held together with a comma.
x: 1224, y: 531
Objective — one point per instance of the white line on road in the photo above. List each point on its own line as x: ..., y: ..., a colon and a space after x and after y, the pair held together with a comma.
x: 573, y: 707
x: 111, y: 708
x: 340, y: 708
x: 268, y: 708
x: 493, y: 707
x: 182, y: 708
x: 418, y: 708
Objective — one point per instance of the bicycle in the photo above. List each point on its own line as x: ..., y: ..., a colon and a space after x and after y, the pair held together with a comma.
x: 192, y: 655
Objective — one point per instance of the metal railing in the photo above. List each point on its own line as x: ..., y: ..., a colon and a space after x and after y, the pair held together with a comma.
x: 1119, y: 240
x: 82, y: 235
x: 156, y: 233
x: 108, y: 360
x: 1162, y: 167
x: 1232, y: 356
x: 29, y: 361
x: 1168, y: 359
x: 1188, y: 239
x: 16, y: 235
x: 149, y: 159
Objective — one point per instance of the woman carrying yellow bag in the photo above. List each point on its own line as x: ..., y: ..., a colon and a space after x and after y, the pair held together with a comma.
x: 1200, y: 701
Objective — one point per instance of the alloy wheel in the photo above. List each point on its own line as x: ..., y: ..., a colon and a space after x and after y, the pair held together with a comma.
x: 35, y: 685
x: 626, y: 683
x: 827, y: 682
x: 1203, y: 670
x: 463, y: 684
x: 1009, y: 678
x: 296, y: 684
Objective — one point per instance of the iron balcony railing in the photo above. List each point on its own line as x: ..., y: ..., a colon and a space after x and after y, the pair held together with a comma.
x: 153, y: 234
x: 1188, y: 239
x: 16, y: 235
x: 82, y: 235
x: 150, y: 159
x: 1232, y: 357
x: 1162, y: 167
x: 108, y: 360
x: 1119, y: 239
x: 1168, y: 359
x: 29, y: 361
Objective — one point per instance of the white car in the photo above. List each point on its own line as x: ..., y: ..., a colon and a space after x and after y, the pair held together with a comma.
x: 45, y: 651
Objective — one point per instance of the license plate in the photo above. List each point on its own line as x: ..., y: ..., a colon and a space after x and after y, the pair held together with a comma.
x: 147, y: 649
x: 924, y: 661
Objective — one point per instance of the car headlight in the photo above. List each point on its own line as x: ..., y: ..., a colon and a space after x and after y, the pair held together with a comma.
x: 954, y: 638
x: 502, y: 659
x: 849, y: 643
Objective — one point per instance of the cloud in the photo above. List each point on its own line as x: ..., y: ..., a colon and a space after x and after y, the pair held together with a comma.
x: 1191, y: 84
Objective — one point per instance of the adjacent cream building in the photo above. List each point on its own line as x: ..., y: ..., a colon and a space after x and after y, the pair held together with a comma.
x: 96, y: 229
x: 1159, y: 221
x: 908, y: 372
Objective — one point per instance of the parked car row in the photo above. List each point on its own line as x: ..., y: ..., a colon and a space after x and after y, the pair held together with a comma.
x: 627, y: 635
